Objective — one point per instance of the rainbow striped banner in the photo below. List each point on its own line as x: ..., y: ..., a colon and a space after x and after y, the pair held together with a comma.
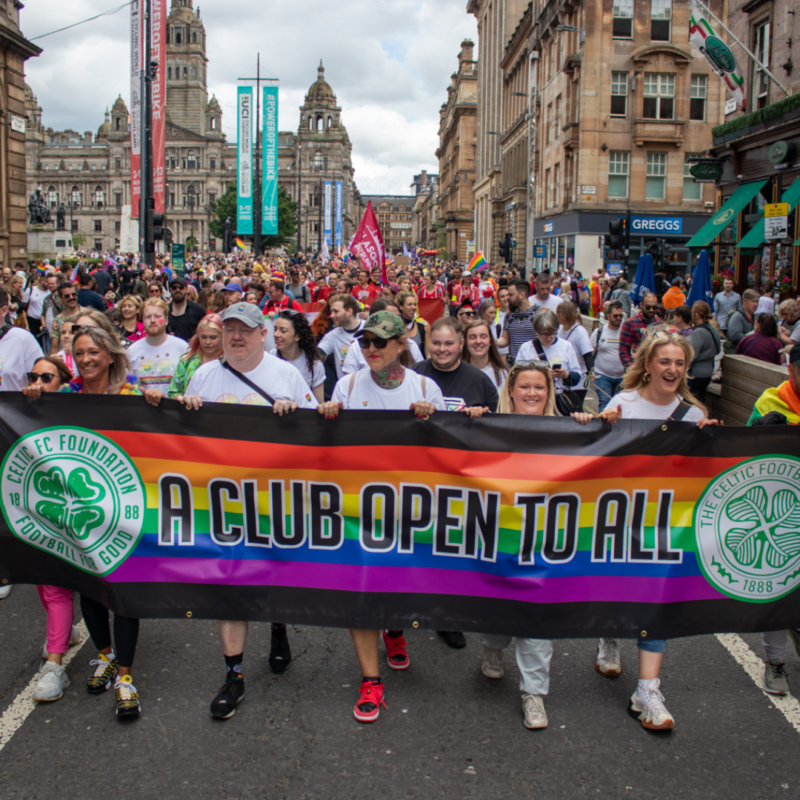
x: 518, y: 525
x: 478, y: 263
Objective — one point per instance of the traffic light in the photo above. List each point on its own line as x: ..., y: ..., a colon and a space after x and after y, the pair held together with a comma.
x: 158, y: 226
x: 616, y: 234
x: 503, y: 248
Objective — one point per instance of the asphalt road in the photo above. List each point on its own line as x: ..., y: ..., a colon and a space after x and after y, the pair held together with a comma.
x: 448, y: 732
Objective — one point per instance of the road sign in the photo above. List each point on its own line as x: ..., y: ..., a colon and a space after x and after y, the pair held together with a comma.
x: 776, y: 227
x: 776, y: 210
x: 588, y: 190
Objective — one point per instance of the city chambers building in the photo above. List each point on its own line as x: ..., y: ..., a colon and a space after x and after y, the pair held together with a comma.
x: 90, y: 173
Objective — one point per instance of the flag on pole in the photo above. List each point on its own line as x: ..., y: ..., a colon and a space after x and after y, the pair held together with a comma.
x: 405, y: 250
x: 367, y: 244
x: 478, y: 263
x: 324, y: 253
x: 240, y: 244
x: 717, y: 53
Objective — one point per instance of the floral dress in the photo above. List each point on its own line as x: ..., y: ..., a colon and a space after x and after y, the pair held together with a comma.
x: 131, y: 386
x: 187, y: 366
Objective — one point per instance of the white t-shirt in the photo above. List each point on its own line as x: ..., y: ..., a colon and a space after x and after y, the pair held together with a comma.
x: 578, y: 337
x: 36, y: 302
x: 279, y: 379
x: 355, y: 360
x: 488, y: 371
x: 18, y: 352
x: 154, y: 365
x: 552, y: 302
x: 766, y: 305
x: 367, y: 394
x: 338, y: 341
x: 608, y: 362
x: 301, y: 364
x: 559, y: 349
x: 634, y: 406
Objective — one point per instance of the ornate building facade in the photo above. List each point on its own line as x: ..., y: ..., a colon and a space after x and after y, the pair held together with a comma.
x: 395, y: 219
x: 90, y: 173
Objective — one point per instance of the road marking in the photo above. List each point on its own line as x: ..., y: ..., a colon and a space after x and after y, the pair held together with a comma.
x: 789, y: 706
x: 23, y: 704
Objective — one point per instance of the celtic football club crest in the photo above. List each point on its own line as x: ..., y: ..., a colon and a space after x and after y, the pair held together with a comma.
x: 747, y: 526
x: 75, y: 494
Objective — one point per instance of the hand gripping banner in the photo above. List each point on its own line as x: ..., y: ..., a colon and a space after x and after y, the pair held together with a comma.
x: 525, y: 526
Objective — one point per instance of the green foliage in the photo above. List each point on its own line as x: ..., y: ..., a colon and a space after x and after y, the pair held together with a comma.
x: 761, y: 115
x: 222, y: 208
x: 225, y: 207
x: 441, y: 234
x: 78, y: 240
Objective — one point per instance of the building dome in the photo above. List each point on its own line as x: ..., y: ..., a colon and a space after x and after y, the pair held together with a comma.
x: 320, y: 93
x: 105, y: 128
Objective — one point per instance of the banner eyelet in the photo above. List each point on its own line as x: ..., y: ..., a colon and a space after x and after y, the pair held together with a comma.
x: 643, y: 634
x: 415, y: 624
x: 189, y: 614
x: 664, y: 428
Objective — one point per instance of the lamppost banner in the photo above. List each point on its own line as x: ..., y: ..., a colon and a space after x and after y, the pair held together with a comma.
x: 328, y: 215
x: 159, y: 98
x: 244, y: 162
x: 526, y: 526
x: 337, y: 232
x: 269, y: 204
x: 136, y: 105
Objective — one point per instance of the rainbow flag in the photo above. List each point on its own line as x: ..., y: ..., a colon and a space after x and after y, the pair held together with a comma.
x: 240, y: 244
x: 477, y: 264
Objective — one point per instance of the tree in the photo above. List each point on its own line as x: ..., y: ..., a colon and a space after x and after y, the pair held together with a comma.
x: 225, y: 207
x: 78, y: 240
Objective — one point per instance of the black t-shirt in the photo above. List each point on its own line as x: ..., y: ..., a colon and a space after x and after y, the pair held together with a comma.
x: 89, y: 299
x: 103, y: 281
x: 463, y: 387
x: 185, y: 325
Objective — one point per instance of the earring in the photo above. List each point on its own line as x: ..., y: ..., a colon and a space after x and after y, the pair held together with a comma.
x: 646, y: 378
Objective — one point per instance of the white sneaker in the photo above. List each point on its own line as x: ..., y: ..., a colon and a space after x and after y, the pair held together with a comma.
x: 608, y: 661
x: 52, y: 683
x: 533, y: 709
x: 5, y: 591
x: 74, y: 638
x: 647, y: 705
x: 492, y: 666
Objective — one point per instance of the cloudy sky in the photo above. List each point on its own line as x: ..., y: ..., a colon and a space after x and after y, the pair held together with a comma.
x: 388, y: 61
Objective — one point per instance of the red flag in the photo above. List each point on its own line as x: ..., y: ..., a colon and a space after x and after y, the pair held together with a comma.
x: 367, y: 244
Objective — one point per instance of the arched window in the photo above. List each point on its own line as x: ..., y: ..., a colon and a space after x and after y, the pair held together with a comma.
x: 177, y: 36
x: 213, y: 123
x: 194, y: 37
x: 311, y: 123
x: 169, y: 73
x: 191, y: 160
x: 52, y: 196
x: 117, y: 122
x: 329, y: 121
x: 75, y: 196
x: 319, y: 161
x: 320, y: 122
x: 185, y: 74
x: 99, y: 197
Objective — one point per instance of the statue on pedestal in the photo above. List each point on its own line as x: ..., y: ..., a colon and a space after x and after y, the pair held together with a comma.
x: 37, y: 208
x: 61, y: 218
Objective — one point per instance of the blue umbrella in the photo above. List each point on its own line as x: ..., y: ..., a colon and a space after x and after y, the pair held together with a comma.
x: 701, y: 282
x: 637, y: 281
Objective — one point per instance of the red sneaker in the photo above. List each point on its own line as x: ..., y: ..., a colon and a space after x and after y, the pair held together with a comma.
x: 396, y: 654
x: 368, y: 707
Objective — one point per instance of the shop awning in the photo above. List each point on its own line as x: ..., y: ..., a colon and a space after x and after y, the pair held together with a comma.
x: 726, y: 214
x: 755, y: 236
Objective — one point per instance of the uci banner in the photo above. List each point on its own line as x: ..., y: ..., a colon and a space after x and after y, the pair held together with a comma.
x: 525, y: 526
x: 269, y: 204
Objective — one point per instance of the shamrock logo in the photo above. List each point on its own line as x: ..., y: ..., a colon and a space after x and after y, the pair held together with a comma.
x: 764, y: 536
x: 72, y: 503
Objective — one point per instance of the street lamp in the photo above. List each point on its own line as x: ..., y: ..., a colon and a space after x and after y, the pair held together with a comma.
x: 299, y: 191
x: 190, y: 202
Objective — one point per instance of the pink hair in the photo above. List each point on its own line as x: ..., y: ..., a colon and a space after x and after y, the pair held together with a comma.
x: 212, y: 319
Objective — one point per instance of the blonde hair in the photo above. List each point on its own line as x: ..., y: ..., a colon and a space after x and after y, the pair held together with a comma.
x: 506, y: 404
x: 132, y: 298
x: 120, y: 363
x: 99, y: 320
x: 567, y: 313
x: 637, y: 375
x: 158, y: 302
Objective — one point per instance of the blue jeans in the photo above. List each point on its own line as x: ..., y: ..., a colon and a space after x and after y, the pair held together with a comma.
x: 652, y: 645
x: 606, y: 388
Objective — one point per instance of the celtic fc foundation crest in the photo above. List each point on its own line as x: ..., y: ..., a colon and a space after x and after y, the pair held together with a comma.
x: 747, y: 526
x: 75, y: 494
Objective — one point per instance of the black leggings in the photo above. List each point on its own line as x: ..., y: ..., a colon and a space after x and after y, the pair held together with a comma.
x: 126, y: 630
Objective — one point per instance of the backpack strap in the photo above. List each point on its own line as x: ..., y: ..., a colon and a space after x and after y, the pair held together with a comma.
x: 680, y: 412
x: 268, y: 397
x: 540, y: 350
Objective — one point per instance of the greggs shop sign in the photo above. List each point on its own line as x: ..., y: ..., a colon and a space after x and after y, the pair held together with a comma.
x: 660, y: 225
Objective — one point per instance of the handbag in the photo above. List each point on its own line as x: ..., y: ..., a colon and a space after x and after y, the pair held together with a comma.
x: 268, y: 397
x: 570, y: 400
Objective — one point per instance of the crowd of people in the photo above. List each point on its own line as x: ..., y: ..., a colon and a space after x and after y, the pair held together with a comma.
x: 300, y: 334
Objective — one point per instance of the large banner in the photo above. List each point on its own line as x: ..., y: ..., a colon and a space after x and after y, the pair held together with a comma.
x: 337, y: 224
x: 518, y: 525
x: 244, y: 162
x: 269, y: 204
x: 136, y: 106
x: 158, y: 30
x: 328, y: 213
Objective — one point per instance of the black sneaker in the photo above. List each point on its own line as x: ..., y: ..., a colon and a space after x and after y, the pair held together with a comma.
x: 128, y: 705
x: 280, y: 656
x: 102, y: 679
x: 229, y: 696
x: 454, y: 639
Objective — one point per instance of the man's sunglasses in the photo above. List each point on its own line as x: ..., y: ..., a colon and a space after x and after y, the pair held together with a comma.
x: 70, y: 296
x: 649, y: 307
x: 377, y: 341
x: 45, y: 377
x: 466, y: 313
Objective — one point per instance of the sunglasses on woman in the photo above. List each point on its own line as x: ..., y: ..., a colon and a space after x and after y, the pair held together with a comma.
x: 535, y: 363
x: 45, y: 377
x: 379, y: 343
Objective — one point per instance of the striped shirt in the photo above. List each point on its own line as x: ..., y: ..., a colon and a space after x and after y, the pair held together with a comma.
x: 519, y: 326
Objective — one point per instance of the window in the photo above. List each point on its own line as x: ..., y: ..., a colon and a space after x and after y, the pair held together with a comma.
x: 617, y: 174
x: 548, y: 188
x: 558, y: 117
x: 99, y: 197
x: 212, y: 197
x: 623, y: 19
x: 549, y: 124
x: 186, y: 73
x: 74, y: 226
x: 52, y: 197
x: 178, y: 37
x: 117, y: 164
x: 556, y: 183
x: 659, y: 95
x: 212, y: 163
x: 98, y: 244
x: 117, y: 199
x: 619, y: 94
x: 98, y: 226
x: 761, y: 48
x: 194, y: 37
x: 213, y: 123
x: 660, y: 16
x: 117, y: 122
x: 656, y: 184
x: 169, y: 73
x: 191, y: 162
x: 691, y: 190
x: 172, y: 200
x: 117, y: 226
x: 75, y: 196
x: 319, y: 161
x: 697, y: 103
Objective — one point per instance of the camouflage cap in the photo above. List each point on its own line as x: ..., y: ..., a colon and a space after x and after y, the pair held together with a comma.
x: 384, y: 324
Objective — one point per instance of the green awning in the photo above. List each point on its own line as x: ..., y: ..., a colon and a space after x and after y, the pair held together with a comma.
x: 755, y: 236
x: 726, y: 214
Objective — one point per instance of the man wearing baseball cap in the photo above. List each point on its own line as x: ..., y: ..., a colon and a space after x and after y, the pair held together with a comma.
x: 248, y: 376
x: 184, y: 315
x: 233, y: 294
x: 387, y: 385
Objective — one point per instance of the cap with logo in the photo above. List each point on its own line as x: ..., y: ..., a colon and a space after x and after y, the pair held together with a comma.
x: 384, y: 324
x: 232, y: 287
x: 248, y: 313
